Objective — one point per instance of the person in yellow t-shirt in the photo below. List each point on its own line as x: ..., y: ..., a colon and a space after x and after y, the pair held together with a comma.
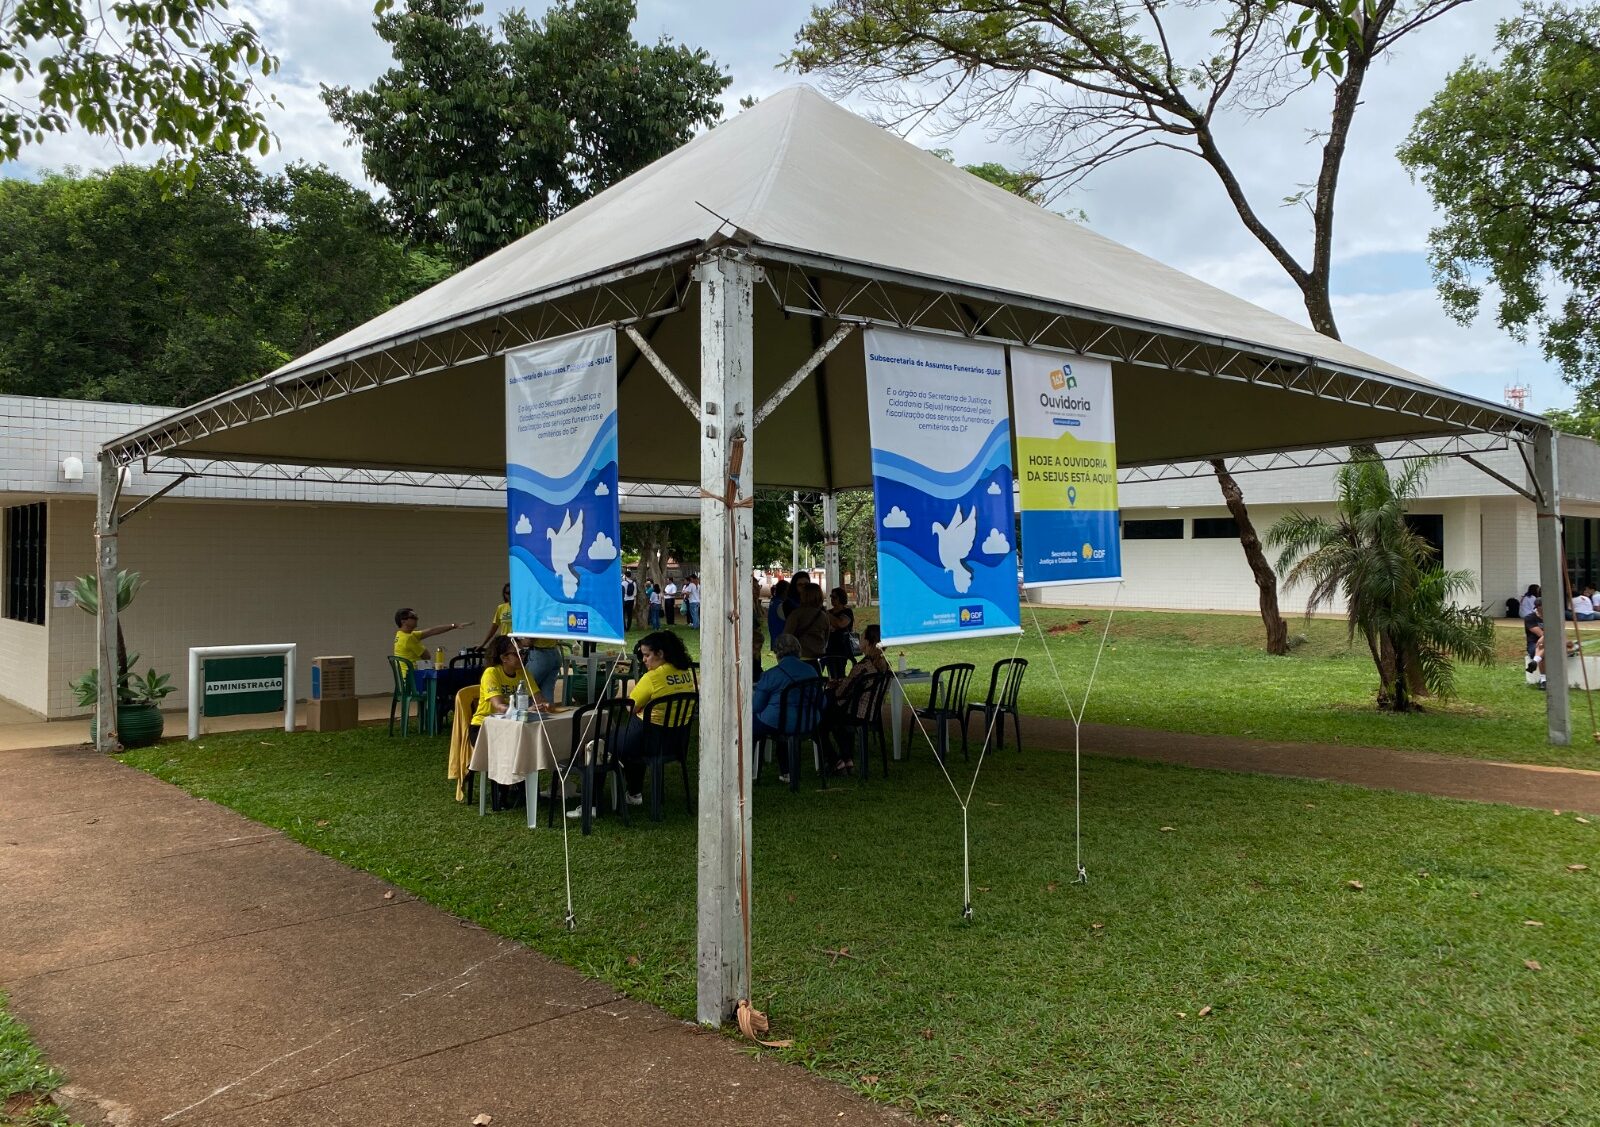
x: 501, y: 622
x: 500, y: 679
x: 667, y: 673
x: 408, y: 640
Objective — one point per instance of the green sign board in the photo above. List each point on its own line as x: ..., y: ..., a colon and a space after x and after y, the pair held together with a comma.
x: 235, y: 686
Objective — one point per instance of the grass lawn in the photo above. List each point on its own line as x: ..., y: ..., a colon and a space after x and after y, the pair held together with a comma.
x: 1208, y: 673
x: 25, y: 1080
x: 1217, y: 968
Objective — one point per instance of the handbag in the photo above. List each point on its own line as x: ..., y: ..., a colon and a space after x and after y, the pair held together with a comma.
x: 855, y: 643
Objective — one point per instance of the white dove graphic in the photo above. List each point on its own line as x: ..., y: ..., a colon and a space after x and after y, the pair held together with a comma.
x: 564, y: 545
x: 955, y: 541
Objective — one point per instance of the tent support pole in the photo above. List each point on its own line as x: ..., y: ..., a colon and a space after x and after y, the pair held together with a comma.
x: 830, y: 541
x: 727, y: 411
x: 105, y: 565
x: 1552, y: 582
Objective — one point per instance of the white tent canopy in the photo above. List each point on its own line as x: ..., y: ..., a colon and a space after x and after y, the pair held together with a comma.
x: 848, y: 220
x: 733, y: 265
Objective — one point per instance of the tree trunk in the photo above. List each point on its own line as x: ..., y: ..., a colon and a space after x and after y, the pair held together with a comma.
x: 1266, y: 580
x: 1385, y: 667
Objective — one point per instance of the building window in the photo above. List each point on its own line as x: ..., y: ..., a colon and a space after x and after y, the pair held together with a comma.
x: 1582, y: 535
x: 1153, y: 529
x: 1429, y: 526
x: 1216, y: 528
x: 25, y: 563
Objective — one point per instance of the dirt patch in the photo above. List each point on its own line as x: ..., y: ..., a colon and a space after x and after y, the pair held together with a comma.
x: 1074, y: 627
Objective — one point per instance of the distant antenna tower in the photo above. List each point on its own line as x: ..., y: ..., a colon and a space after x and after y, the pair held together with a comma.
x: 1517, y: 396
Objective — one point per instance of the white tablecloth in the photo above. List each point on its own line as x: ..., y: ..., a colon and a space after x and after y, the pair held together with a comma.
x: 511, y: 750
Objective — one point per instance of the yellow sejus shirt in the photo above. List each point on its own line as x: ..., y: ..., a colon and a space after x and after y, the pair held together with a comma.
x: 502, y: 618
x: 662, y: 681
x: 496, y: 682
x: 409, y: 645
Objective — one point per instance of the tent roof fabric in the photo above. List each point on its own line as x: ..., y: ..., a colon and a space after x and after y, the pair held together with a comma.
x: 799, y: 180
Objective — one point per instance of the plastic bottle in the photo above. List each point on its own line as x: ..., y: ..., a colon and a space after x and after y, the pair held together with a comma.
x: 438, y: 657
x: 902, y: 661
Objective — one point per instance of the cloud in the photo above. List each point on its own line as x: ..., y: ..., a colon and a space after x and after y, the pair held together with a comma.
x: 524, y: 525
x: 996, y: 544
x: 897, y: 518
x: 603, y: 548
x: 994, y: 489
x: 602, y: 490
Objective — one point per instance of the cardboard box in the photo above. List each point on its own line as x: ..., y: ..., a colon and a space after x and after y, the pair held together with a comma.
x: 331, y: 715
x: 333, y: 678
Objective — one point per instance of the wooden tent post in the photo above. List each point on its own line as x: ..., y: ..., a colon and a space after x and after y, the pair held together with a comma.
x: 727, y: 283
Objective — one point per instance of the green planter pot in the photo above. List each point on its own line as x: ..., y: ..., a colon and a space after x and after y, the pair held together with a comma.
x: 138, y: 725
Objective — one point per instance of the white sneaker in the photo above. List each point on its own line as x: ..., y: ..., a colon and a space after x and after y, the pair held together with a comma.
x: 577, y: 811
x: 636, y: 799
x: 784, y: 779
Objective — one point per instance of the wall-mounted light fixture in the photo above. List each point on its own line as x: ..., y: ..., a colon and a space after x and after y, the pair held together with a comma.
x: 72, y: 468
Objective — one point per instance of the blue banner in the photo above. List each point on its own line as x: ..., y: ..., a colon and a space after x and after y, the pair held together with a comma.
x: 942, y: 485
x: 561, y: 489
x: 1067, y: 468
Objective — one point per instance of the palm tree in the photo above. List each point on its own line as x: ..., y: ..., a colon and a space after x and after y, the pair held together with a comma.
x: 1397, y: 596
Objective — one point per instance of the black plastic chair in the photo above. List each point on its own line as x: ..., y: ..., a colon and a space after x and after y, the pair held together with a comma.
x: 862, y: 717
x: 598, y: 725
x: 799, y: 714
x: 947, y: 704
x: 668, y: 725
x: 472, y: 658
x: 1005, y: 682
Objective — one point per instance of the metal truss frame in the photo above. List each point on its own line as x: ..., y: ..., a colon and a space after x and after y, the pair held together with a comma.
x: 642, y: 292
x: 1456, y: 445
x: 812, y: 285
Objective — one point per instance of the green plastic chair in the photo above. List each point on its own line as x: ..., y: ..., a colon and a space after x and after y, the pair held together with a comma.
x: 405, y: 691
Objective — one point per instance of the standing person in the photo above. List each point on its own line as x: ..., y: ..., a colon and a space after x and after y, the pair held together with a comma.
x: 801, y: 580
x: 501, y: 622
x: 775, y: 608
x: 669, y: 599
x: 408, y: 640
x: 691, y: 600
x: 1528, y: 608
x: 841, y: 623
x: 543, y: 663
x: 808, y: 622
x: 652, y: 595
x: 630, y: 595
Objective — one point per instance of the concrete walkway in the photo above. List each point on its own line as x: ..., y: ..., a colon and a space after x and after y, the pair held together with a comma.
x: 184, y: 965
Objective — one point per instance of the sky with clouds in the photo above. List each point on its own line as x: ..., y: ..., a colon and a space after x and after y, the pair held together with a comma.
x: 1163, y: 204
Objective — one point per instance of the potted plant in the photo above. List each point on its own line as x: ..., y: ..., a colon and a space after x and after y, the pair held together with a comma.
x: 139, y: 719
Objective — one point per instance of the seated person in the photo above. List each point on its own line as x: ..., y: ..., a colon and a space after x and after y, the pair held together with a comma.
x: 835, y: 724
x: 666, y: 663
x: 769, y: 690
x: 501, y: 676
x: 1534, y: 625
x: 1583, y: 605
x: 408, y: 640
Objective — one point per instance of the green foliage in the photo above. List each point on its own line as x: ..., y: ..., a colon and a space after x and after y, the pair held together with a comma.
x: 481, y: 134
x: 25, y: 1080
x: 176, y: 73
x: 1396, y: 595
x: 1508, y: 154
x: 1326, y: 34
x: 120, y: 285
x: 1582, y: 418
x: 86, y: 591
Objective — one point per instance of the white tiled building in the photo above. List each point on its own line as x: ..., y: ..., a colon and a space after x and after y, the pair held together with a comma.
x: 1180, y: 548
x: 230, y: 560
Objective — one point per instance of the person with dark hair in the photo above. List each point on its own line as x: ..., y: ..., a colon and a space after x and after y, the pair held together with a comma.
x: 501, y: 676
x: 835, y: 724
x: 667, y: 672
x: 501, y: 623
x: 408, y: 640
x: 775, y: 608
x: 630, y: 597
x: 841, y: 624
x: 1529, y: 608
x: 691, y: 601
x: 809, y: 623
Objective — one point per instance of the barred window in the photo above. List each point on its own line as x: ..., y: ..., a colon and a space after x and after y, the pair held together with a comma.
x: 1153, y: 529
x: 25, y: 541
x: 1216, y: 528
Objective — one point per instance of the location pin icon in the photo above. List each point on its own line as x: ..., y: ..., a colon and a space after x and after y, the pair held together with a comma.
x: 1072, y: 494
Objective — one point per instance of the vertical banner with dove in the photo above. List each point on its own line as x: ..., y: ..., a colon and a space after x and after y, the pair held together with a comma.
x: 561, y: 488
x: 1067, y: 463
x: 941, y: 479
